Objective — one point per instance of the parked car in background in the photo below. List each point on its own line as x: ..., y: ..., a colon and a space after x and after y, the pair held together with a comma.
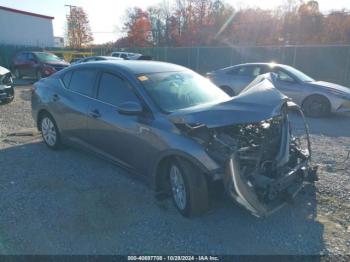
x: 75, y: 60
x: 317, y: 98
x: 179, y: 131
x: 7, y: 93
x: 97, y: 58
x: 123, y: 55
x: 139, y: 57
x: 37, y: 64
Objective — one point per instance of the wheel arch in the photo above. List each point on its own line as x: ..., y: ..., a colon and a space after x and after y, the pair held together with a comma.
x: 40, y: 115
x: 315, y: 94
x: 160, y: 180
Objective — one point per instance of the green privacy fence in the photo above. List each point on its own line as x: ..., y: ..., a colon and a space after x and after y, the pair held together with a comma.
x: 328, y: 63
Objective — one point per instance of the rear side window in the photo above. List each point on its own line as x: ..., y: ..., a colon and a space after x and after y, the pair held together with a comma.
x: 114, y: 90
x: 251, y: 71
x: 66, y: 78
x: 82, y: 81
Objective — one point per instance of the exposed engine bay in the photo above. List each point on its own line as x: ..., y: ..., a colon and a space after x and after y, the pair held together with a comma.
x: 265, y: 163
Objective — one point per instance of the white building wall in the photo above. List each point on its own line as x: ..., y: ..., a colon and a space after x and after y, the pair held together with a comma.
x: 59, y: 41
x: 22, y: 29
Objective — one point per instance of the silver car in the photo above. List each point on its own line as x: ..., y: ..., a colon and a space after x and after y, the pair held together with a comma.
x: 178, y: 131
x: 96, y: 58
x: 317, y: 98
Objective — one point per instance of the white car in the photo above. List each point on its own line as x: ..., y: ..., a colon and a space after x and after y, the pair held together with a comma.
x: 124, y: 55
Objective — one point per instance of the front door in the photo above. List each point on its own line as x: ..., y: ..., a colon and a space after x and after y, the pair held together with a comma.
x: 287, y: 84
x: 111, y: 132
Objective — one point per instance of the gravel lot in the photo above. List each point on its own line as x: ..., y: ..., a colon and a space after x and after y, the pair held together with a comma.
x: 71, y: 202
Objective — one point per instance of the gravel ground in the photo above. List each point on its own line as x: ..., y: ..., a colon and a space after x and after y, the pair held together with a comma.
x: 71, y: 202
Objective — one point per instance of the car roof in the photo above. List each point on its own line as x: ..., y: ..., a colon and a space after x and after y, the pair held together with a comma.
x: 135, y: 66
x: 40, y: 52
x: 260, y: 64
x: 103, y: 56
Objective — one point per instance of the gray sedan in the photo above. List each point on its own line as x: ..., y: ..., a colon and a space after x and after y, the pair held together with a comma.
x: 178, y: 131
x: 317, y: 98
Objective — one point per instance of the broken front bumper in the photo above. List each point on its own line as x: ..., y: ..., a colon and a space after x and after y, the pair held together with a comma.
x: 263, y: 195
x: 282, y: 190
x: 6, y: 92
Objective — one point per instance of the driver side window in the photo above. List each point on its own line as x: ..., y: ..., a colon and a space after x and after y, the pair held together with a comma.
x: 114, y: 90
x: 282, y: 76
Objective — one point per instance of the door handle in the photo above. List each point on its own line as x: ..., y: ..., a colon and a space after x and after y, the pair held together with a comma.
x: 55, y: 97
x: 95, y: 113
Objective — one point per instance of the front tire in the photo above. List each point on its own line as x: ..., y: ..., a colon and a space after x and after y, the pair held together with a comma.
x: 316, y: 106
x: 50, y: 132
x: 189, y: 188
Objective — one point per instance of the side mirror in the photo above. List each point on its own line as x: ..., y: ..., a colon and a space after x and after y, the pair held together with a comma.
x: 130, y: 108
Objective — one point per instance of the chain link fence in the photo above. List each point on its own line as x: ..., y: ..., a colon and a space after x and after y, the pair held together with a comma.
x: 328, y: 63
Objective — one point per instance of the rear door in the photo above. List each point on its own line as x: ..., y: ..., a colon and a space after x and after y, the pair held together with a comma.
x: 31, y: 65
x: 71, y: 105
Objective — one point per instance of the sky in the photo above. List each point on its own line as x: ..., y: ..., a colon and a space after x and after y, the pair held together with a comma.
x: 106, y: 16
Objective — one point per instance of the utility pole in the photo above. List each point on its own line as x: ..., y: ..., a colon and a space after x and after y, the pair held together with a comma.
x: 71, y: 26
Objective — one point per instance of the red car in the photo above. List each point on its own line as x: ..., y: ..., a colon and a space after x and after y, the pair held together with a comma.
x: 37, y: 64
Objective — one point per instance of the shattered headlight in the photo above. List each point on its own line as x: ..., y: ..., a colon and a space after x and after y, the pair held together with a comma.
x: 6, y: 79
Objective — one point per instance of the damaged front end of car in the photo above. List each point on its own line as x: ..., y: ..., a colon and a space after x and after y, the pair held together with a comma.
x: 6, y: 85
x: 264, y: 163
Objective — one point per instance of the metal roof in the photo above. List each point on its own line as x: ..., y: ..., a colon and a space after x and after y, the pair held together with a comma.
x: 25, y: 12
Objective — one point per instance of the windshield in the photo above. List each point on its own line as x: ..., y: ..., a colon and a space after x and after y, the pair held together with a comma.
x: 47, y: 57
x: 300, y: 75
x: 173, y: 91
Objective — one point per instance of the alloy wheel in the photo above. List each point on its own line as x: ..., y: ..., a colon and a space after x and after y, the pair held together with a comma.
x: 178, y: 187
x: 48, y: 131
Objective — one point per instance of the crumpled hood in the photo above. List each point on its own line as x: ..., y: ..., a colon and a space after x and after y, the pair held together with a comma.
x: 258, y: 103
x: 330, y: 86
x: 3, y: 71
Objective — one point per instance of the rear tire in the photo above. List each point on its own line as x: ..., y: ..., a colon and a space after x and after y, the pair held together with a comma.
x: 227, y: 90
x: 50, y: 132
x: 316, y: 106
x: 189, y: 188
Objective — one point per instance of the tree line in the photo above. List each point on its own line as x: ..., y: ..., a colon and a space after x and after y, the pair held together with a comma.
x: 176, y: 23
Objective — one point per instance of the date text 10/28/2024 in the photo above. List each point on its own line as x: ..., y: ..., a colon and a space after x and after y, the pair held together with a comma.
x: 173, y: 258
